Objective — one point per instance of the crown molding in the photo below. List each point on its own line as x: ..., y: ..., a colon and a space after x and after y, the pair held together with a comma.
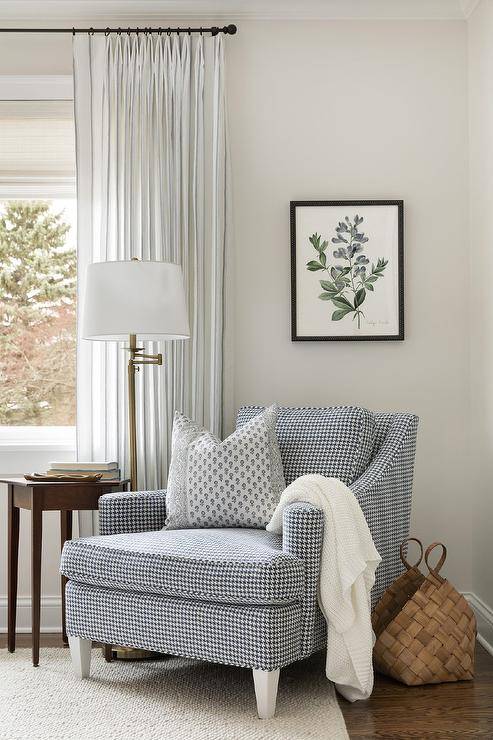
x: 98, y: 12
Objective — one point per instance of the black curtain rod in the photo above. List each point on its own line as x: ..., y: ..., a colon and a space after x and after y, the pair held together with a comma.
x: 214, y: 30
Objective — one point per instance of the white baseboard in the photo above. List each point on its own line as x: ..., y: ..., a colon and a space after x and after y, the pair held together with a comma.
x: 51, y: 610
x: 484, y: 617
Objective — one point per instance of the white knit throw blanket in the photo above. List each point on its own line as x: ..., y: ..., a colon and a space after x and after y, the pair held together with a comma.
x: 347, y: 573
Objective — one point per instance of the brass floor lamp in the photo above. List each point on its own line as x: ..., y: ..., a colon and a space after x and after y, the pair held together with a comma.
x: 135, y: 300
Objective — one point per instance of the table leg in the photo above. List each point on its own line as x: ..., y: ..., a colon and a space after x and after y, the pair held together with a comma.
x: 13, y: 537
x: 65, y: 534
x: 36, y: 540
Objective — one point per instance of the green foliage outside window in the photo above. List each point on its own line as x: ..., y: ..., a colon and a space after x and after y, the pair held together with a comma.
x: 37, y: 316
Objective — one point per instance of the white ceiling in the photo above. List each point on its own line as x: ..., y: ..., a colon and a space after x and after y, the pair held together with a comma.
x: 39, y: 12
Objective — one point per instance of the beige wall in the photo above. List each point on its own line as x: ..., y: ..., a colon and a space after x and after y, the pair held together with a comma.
x: 340, y: 110
x: 481, y: 260
x: 362, y: 110
x: 36, y: 54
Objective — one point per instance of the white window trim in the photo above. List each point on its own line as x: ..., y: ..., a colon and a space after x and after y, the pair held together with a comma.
x: 47, y: 439
x: 37, y: 87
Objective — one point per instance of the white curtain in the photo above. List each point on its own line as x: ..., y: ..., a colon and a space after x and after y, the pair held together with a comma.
x: 152, y: 182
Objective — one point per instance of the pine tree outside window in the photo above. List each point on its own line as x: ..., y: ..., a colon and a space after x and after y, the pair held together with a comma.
x: 37, y: 270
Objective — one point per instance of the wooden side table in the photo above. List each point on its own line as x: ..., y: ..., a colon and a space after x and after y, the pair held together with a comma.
x: 38, y: 497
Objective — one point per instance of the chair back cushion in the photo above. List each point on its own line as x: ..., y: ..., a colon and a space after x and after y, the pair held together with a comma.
x: 336, y: 441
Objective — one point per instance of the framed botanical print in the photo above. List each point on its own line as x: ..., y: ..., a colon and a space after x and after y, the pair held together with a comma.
x: 347, y: 271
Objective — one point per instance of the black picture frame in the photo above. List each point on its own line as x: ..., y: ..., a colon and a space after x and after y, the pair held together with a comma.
x: 399, y: 204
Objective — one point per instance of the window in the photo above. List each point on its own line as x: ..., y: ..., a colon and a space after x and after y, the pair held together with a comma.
x: 37, y: 268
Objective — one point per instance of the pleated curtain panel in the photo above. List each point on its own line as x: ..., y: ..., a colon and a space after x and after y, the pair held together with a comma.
x: 152, y: 183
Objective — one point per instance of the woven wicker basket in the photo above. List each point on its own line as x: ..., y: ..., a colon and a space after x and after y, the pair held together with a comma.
x: 425, y: 630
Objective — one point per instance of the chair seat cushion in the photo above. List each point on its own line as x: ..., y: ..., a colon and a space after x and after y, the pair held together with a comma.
x: 242, y: 566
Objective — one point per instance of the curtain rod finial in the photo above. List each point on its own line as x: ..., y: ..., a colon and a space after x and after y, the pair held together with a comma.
x: 231, y: 29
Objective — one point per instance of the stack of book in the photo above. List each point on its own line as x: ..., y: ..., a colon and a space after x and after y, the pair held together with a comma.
x: 108, y: 470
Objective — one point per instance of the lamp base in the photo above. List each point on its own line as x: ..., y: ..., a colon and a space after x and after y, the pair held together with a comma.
x: 118, y: 652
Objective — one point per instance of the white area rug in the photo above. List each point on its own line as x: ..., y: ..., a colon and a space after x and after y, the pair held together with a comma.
x: 173, y: 698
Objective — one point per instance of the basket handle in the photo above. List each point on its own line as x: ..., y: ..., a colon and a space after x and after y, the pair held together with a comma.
x: 441, y: 561
x: 403, y: 557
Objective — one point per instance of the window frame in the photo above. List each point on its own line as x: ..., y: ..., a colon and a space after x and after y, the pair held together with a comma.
x: 37, y: 87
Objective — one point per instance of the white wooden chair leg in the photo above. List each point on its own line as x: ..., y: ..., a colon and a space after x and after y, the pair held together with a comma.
x: 80, y: 652
x: 266, y: 692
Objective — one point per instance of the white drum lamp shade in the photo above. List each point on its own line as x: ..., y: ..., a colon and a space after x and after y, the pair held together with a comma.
x: 133, y: 297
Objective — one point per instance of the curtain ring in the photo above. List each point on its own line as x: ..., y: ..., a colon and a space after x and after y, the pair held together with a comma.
x: 168, y: 31
x: 91, y: 31
x: 201, y: 31
x: 189, y: 31
x: 160, y: 31
x: 107, y: 31
x: 73, y: 31
x: 119, y: 32
x: 178, y: 30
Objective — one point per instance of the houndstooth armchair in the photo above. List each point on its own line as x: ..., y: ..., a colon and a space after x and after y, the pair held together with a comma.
x: 242, y: 597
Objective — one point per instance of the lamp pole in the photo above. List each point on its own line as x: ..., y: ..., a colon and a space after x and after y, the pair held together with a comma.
x: 137, y: 357
x: 132, y: 421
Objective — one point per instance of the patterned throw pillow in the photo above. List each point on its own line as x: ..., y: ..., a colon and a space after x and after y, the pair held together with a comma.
x: 235, y: 483
x: 335, y: 441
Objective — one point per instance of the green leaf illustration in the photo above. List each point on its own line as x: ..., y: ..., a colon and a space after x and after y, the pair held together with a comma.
x: 341, y: 302
x: 340, y: 313
x: 359, y: 297
x: 313, y: 266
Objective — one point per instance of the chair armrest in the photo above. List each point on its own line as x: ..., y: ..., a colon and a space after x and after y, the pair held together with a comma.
x: 302, y: 535
x: 384, y: 492
x: 141, y: 511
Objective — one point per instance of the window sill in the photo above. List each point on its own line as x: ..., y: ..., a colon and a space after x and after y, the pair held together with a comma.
x: 37, y: 446
x: 37, y: 439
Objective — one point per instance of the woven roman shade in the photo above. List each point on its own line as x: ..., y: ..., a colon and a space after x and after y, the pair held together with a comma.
x: 37, y: 148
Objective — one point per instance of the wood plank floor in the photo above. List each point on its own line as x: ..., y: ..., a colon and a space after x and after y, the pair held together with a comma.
x: 396, y: 712
x: 449, y: 710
